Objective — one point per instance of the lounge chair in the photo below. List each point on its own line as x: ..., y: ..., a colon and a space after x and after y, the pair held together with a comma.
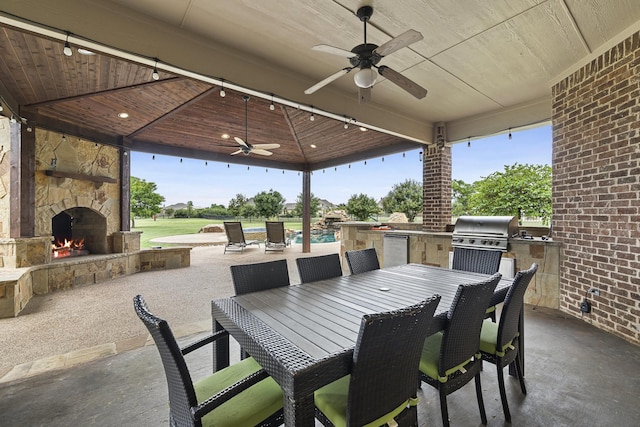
x: 276, y: 240
x: 235, y: 237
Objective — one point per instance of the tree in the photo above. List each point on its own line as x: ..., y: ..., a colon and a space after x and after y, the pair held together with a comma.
x: 190, y: 208
x: 521, y: 190
x: 361, y: 206
x: 248, y: 211
x: 405, y: 197
x: 461, y: 197
x: 313, y: 206
x: 268, y: 203
x: 236, y: 204
x: 143, y: 199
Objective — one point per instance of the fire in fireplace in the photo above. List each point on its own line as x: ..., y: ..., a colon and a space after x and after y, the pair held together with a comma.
x: 68, y: 248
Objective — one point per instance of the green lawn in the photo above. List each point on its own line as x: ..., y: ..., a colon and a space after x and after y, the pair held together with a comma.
x: 163, y: 227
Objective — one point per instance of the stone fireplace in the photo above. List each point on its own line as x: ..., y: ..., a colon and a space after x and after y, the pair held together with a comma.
x: 77, y: 191
x: 78, y: 231
x: 74, y: 190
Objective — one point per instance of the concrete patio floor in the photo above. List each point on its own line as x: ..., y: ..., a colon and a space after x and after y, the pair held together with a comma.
x: 81, y: 357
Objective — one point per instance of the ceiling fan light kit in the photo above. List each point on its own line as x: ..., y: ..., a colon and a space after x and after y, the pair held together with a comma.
x: 365, y: 78
x: 366, y: 57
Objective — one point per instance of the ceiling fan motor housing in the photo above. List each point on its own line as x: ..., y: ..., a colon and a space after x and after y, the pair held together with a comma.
x: 365, y: 57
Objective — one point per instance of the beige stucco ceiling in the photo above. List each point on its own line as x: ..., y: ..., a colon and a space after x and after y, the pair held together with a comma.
x: 488, y: 65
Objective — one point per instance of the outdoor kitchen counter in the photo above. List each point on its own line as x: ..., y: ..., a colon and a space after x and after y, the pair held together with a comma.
x: 433, y: 248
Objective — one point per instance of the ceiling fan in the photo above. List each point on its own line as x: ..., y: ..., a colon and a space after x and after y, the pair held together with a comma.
x: 366, y: 57
x: 244, y: 146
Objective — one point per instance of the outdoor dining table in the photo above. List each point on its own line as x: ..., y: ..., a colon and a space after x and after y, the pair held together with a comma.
x: 304, y: 335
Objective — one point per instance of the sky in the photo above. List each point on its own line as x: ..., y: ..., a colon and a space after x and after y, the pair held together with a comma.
x: 218, y: 183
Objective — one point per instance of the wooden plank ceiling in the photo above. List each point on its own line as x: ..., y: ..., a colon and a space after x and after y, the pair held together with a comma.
x: 84, y: 94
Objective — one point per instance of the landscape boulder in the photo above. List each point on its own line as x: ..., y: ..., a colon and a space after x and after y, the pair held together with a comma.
x: 212, y: 228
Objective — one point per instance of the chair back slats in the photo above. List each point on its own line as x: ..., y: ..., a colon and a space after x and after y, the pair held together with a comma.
x: 476, y: 260
x: 312, y: 269
x: 510, y: 315
x: 259, y: 276
x: 181, y: 392
x: 461, y: 338
x: 363, y: 260
x: 385, y: 361
x: 235, y: 234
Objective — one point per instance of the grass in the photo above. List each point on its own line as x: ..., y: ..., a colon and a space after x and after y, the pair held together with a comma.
x: 163, y: 227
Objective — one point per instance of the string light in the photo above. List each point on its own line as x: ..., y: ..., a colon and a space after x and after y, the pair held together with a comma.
x: 206, y: 163
x: 383, y: 160
x: 403, y: 154
x: 67, y: 47
x: 271, y: 106
x: 153, y: 157
x: 469, y: 142
x: 155, y: 74
x: 222, y: 92
x: 365, y: 163
x: 313, y: 117
x: 510, y: 133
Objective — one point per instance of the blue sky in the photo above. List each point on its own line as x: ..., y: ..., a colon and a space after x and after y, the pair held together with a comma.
x: 218, y: 183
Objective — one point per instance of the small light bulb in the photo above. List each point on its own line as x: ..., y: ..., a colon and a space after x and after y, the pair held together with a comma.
x: 155, y: 74
x: 67, y: 49
x: 312, y: 118
x: 272, y: 107
x: 222, y: 93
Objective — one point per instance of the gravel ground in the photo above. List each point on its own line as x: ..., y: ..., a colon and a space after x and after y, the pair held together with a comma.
x: 102, y: 313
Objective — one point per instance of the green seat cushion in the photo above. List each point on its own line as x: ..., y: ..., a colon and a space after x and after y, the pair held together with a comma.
x: 246, y: 409
x: 489, y: 339
x: 331, y: 400
x: 431, y: 357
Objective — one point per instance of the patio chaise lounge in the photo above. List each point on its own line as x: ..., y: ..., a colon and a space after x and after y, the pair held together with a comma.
x: 235, y: 237
x: 276, y: 239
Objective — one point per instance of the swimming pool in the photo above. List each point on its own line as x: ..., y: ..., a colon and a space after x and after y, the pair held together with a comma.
x: 325, y: 237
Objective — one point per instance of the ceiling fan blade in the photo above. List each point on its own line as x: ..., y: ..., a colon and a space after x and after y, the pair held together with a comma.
x: 261, y: 152
x: 328, y: 80
x: 364, y: 94
x: 403, y: 40
x: 240, y: 141
x: 265, y: 146
x: 333, y: 50
x: 406, y: 84
x: 236, y: 152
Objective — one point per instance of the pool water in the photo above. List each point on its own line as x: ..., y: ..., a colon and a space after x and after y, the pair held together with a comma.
x: 317, y: 238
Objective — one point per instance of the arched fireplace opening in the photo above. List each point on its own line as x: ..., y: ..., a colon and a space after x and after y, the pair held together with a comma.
x: 78, y: 231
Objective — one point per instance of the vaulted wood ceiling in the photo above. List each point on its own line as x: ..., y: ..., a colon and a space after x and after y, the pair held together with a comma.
x: 488, y: 67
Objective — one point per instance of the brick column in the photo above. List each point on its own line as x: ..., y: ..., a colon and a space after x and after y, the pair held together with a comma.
x: 436, y: 175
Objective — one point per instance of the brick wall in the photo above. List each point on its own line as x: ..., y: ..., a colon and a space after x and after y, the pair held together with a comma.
x: 436, y: 174
x: 596, y: 188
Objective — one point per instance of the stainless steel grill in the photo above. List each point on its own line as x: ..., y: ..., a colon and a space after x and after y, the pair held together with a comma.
x: 484, y: 232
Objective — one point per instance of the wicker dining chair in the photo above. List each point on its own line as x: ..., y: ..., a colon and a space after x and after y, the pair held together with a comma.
x: 478, y: 261
x: 259, y: 276
x: 450, y: 359
x: 362, y: 260
x: 500, y: 343
x: 382, y: 386
x: 312, y: 269
x: 242, y: 394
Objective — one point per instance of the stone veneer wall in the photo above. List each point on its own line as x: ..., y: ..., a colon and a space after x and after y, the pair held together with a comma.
x: 596, y: 196
x: 5, y: 177
x: 74, y: 155
x: 436, y: 174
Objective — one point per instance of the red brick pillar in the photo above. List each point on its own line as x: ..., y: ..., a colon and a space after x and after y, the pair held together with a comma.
x: 436, y: 175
